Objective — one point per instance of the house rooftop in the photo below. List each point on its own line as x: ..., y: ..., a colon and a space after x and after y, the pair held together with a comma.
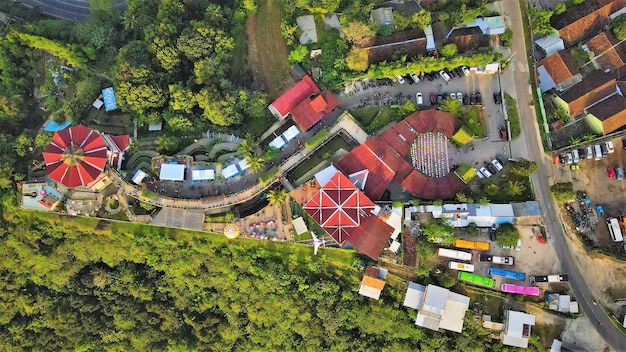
x: 560, y: 66
x: 575, y: 13
x: 605, y: 54
x: 608, y: 107
x: 517, y: 328
x: 589, y: 83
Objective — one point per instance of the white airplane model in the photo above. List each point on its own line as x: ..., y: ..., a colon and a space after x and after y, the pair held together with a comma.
x: 317, y: 242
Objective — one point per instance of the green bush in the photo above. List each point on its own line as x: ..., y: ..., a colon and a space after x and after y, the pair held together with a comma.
x: 563, y: 192
x: 268, y: 175
x: 318, y: 138
x: 511, y: 109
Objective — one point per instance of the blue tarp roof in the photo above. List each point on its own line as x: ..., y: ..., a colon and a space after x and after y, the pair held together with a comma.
x: 109, y: 99
x: 52, y: 126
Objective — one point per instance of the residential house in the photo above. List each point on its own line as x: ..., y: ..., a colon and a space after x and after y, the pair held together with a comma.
x: 517, y: 326
x: 438, y: 307
x: 304, y: 103
x: 558, y: 71
x: 585, y: 20
x: 604, y: 51
x: 550, y: 43
x: 309, y: 31
x: 561, y: 303
x: 476, y: 34
x: 595, y: 86
x: 373, y: 282
x: 382, y: 16
x: 607, y: 115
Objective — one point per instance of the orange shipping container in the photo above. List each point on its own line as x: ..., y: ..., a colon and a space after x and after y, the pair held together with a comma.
x: 481, y: 246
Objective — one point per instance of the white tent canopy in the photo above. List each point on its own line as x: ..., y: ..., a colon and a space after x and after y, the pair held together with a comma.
x: 172, y: 172
x: 278, y: 142
x: 230, y: 171
x: 291, y: 133
x: 139, y: 176
x: 203, y: 174
x: 243, y: 164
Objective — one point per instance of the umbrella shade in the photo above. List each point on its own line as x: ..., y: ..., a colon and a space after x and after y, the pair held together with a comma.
x: 76, y: 156
x: 231, y: 231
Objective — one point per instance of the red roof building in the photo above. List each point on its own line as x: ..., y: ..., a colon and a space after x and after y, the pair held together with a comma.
x: 117, y: 145
x: 76, y: 156
x: 346, y: 214
x: 304, y: 103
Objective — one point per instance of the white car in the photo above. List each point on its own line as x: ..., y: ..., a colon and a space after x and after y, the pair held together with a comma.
x: 570, y: 159
x: 400, y: 79
x: 444, y: 75
x: 485, y: 172
x: 497, y: 164
x: 459, y: 96
x: 415, y: 78
x: 453, y: 96
x: 610, y: 147
x: 418, y: 98
x: 466, y: 70
x: 478, y: 173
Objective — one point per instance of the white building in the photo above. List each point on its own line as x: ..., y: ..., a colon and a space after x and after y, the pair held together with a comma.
x: 172, y: 172
x: 438, y: 307
x: 517, y: 327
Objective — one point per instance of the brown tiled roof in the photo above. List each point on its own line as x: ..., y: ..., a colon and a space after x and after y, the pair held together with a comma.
x: 608, y: 107
x: 373, y: 282
x: 595, y: 80
x: 372, y: 271
x: 605, y: 55
x: 371, y: 237
x: 560, y: 66
x: 584, y: 20
x: 575, y: 13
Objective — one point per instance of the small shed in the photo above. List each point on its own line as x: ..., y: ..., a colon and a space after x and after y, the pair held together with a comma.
x: 291, y: 133
x: 243, y: 164
x: 299, y: 225
x: 230, y: 171
x: 139, y: 176
x: 383, y: 16
x: 172, y: 172
x: 278, y: 143
x: 97, y: 104
x: 203, y: 175
x: 309, y: 31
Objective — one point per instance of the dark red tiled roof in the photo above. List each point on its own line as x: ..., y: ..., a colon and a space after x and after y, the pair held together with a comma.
x: 310, y: 111
x: 560, y: 66
x: 362, y: 158
x: 371, y: 237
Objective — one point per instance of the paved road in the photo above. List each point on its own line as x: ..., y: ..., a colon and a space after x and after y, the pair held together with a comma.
x: 518, y: 75
x: 71, y: 10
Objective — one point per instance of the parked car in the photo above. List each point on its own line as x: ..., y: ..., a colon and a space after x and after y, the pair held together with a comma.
x: 485, y: 172
x: 459, y: 96
x: 492, y: 233
x: 418, y: 98
x: 453, y: 96
x: 433, y: 98
x: 562, y: 158
x: 503, y: 134
x: 491, y: 168
x: 400, y: 79
x: 604, y: 149
x: 409, y: 79
x: 446, y: 77
x: 497, y: 164
x: 472, y: 99
x: 583, y: 153
x: 497, y: 97
x: 502, y: 159
x: 620, y: 173
x: 610, y: 172
x: 610, y: 147
x: 415, y: 77
x: 466, y: 99
x: 466, y: 70
x: 450, y: 73
x: 556, y: 160
x: 479, y: 100
x: 589, y: 152
x: 439, y: 98
x: 459, y: 72
x: 598, y: 151
x: 570, y: 159
x: 430, y: 77
x: 576, y: 156
x: 478, y: 173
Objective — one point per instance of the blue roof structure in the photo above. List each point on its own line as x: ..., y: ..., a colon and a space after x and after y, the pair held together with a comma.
x: 52, y: 126
x: 109, y: 99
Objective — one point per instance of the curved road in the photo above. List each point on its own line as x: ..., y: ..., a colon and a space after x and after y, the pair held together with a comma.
x: 71, y: 10
x: 516, y: 78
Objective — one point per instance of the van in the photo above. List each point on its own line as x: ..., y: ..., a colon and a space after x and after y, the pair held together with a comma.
x: 576, y: 156
x: 620, y: 173
x: 598, y: 151
x: 418, y: 98
x: 446, y: 77
x: 589, y: 152
x: 610, y: 147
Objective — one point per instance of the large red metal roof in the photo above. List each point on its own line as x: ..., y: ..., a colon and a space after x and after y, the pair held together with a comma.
x: 303, y: 89
x: 339, y: 207
x: 75, y: 156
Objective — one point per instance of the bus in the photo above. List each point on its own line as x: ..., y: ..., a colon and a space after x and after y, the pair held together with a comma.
x: 454, y: 254
x: 548, y: 278
x: 507, y: 273
x: 481, y: 246
x: 615, y: 230
x: 476, y: 279
x: 519, y: 289
x: 461, y: 266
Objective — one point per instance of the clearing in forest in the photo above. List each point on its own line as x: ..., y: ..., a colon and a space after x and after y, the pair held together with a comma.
x: 267, y: 50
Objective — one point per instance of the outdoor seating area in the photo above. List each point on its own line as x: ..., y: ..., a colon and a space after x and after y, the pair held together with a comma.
x: 429, y: 154
x: 262, y: 230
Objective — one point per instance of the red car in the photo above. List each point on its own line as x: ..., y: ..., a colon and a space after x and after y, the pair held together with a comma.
x: 610, y: 172
x: 433, y: 98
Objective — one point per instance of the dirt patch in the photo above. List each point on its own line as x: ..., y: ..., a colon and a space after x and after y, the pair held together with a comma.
x: 549, y: 326
x: 580, y: 335
x: 267, y: 50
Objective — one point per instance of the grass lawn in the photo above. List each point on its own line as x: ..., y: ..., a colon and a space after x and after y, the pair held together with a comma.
x: 266, y: 48
x: 319, y: 156
x: 492, y: 303
x: 474, y: 120
x: 511, y: 109
x: 297, y: 210
x: 373, y: 118
x: 101, y: 5
x: 501, y: 179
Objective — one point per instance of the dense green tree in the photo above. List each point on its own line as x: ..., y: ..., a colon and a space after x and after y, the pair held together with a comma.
x: 298, y: 54
x: 492, y: 189
x: 256, y: 163
x: 358, y: 32
x: 357, y: 60
x: 540, y: 21
x: 523, y: 167
x: 559, y: 8
x: 514, y: 188
x: 461, y: 197
x: 439, y: 231
x: 507, y: 235
x: 277, y: 197
x: 563, y: 192
x: 421, y: 19
x: 181, y: 99
x: 449, y: 50
x: 453, y: 106
x: 167, y: 144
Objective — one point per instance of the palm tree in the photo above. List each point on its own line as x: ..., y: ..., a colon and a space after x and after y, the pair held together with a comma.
x: 246, y: 149
x: 514, y: 188
x: 277, y: 197
x: 256, y: 163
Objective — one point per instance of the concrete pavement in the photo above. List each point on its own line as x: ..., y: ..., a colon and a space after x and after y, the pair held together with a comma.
x: 517, y: 78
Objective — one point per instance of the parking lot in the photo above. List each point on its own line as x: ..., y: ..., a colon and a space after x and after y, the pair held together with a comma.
x: 368, y: 93
x: 592, y: 177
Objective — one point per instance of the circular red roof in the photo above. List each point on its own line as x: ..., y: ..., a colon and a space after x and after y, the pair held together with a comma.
x: 75, y: 156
